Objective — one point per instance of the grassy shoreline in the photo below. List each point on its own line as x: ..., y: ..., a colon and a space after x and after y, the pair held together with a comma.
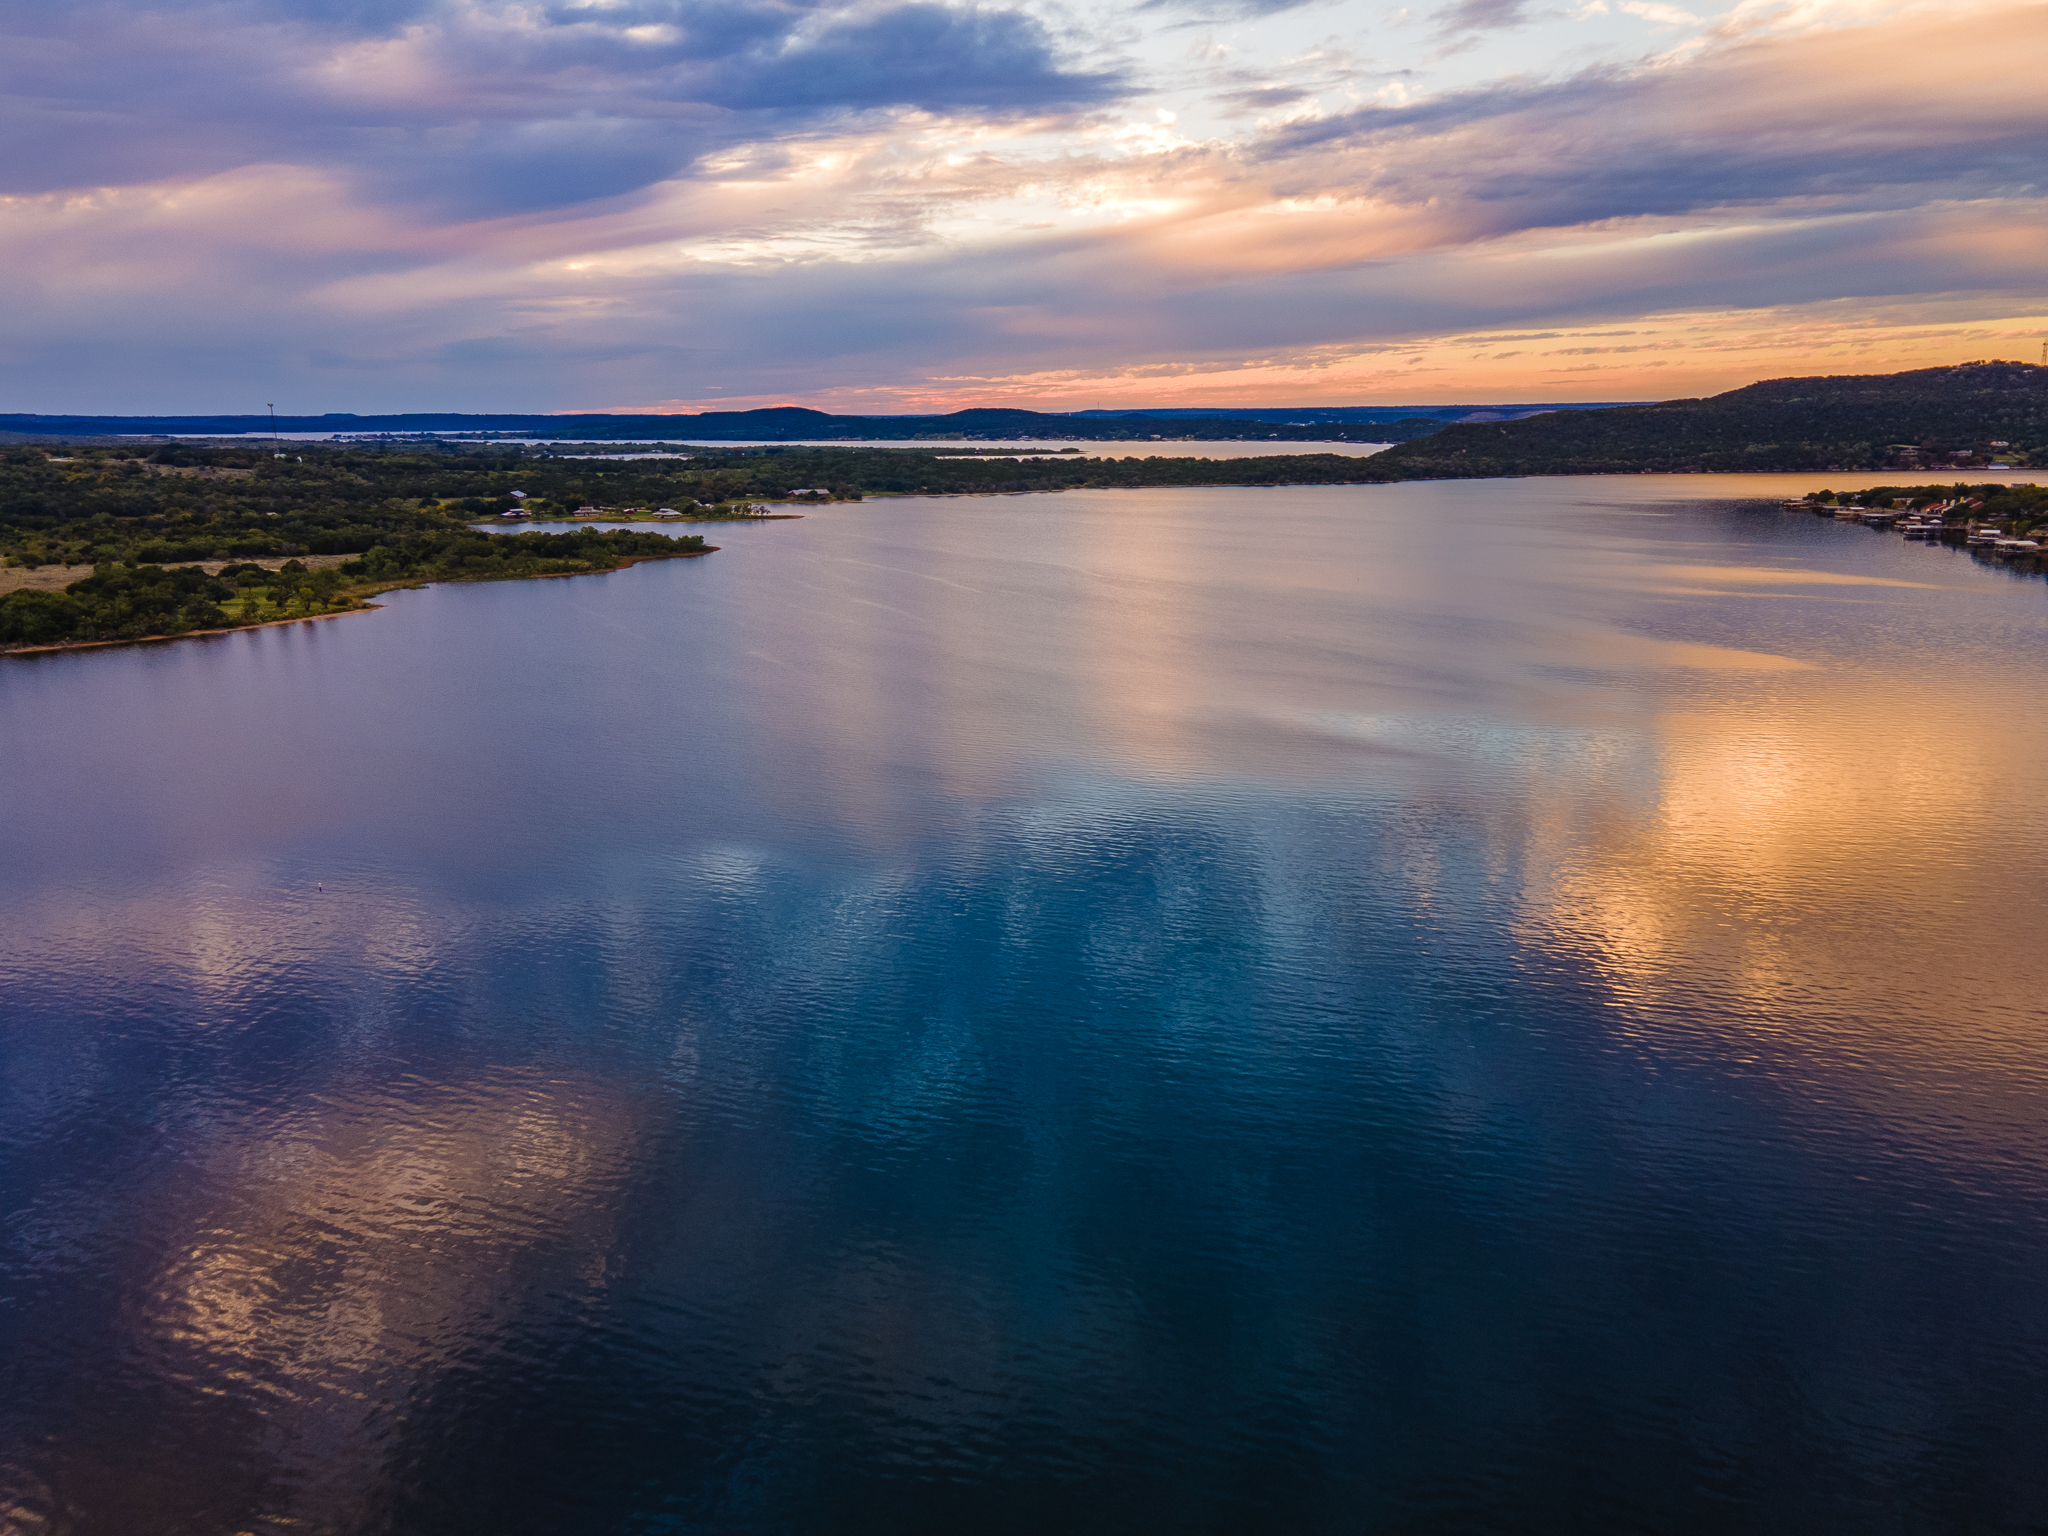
x: 341, y: 590
x: 190, y: 634
x: 583, y: 520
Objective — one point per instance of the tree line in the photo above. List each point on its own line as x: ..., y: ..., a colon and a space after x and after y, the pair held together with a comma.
x: 121, y: 601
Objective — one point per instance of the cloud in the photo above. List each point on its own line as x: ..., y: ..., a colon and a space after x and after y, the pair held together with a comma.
x: 1843, y: 119
x: 571, y: 206
x: 1654, y: 10
x: 1266, y: 98
x: 925, y: 55
x: 488, y: 105
x: 1482, y: 16
x: 1228, y: 10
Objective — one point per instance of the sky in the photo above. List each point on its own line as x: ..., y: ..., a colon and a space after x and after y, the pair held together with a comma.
x: 913, y: 205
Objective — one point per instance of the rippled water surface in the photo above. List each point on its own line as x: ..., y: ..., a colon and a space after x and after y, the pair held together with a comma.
x: 1482, y: 1007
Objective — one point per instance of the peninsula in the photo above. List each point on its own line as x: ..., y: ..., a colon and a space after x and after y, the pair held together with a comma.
x: 123, y: 602
x: 182, y: 540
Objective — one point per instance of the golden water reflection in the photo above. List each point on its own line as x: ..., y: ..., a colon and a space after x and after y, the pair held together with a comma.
x: 1797, y: 801
x: 1839, y: 875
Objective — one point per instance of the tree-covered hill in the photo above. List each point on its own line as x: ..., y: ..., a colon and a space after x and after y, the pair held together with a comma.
x: 1970, y: 414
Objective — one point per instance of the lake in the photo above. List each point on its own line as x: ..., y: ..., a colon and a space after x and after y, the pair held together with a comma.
x: 1460, y: 1007
x: 1128, y: 448
x: 1133, y: 448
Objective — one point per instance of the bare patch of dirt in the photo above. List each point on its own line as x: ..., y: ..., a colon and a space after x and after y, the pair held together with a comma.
x: 55, y: 578
x: 197, y: 471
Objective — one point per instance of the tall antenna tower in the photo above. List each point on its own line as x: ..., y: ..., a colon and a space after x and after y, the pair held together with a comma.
x: 273, y: 412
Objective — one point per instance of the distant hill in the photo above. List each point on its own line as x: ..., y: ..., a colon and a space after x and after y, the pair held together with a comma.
x: 1933, y: 418
x: 1359, y: 413
x: 1920, y: 420
x: 790, y: 423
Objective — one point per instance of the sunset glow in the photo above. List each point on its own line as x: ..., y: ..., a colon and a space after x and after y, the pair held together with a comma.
x: 423, y: 204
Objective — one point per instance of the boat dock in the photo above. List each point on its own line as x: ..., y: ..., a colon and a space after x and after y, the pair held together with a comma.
x: 1938, y: 523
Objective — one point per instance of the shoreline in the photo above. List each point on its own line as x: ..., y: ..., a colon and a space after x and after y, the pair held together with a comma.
x: 531, y: 523
x: 2008, y: 476
x: 190, y: 634
x: 15, y: 578
x: 342, y: 613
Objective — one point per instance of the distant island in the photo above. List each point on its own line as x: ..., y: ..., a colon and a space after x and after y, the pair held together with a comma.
x: 1969, y: 416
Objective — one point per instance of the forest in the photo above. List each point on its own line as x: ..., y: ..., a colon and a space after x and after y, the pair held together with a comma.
x: 127, y: 523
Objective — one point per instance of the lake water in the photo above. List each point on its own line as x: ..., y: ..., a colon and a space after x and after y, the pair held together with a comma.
x: 1127, y: 449
x: 1479, y: 1007
x: 1106, y: 449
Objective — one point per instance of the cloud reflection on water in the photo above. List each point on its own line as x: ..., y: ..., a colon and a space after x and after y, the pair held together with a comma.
x: 315, y: 1271
x: 1205, y: 992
